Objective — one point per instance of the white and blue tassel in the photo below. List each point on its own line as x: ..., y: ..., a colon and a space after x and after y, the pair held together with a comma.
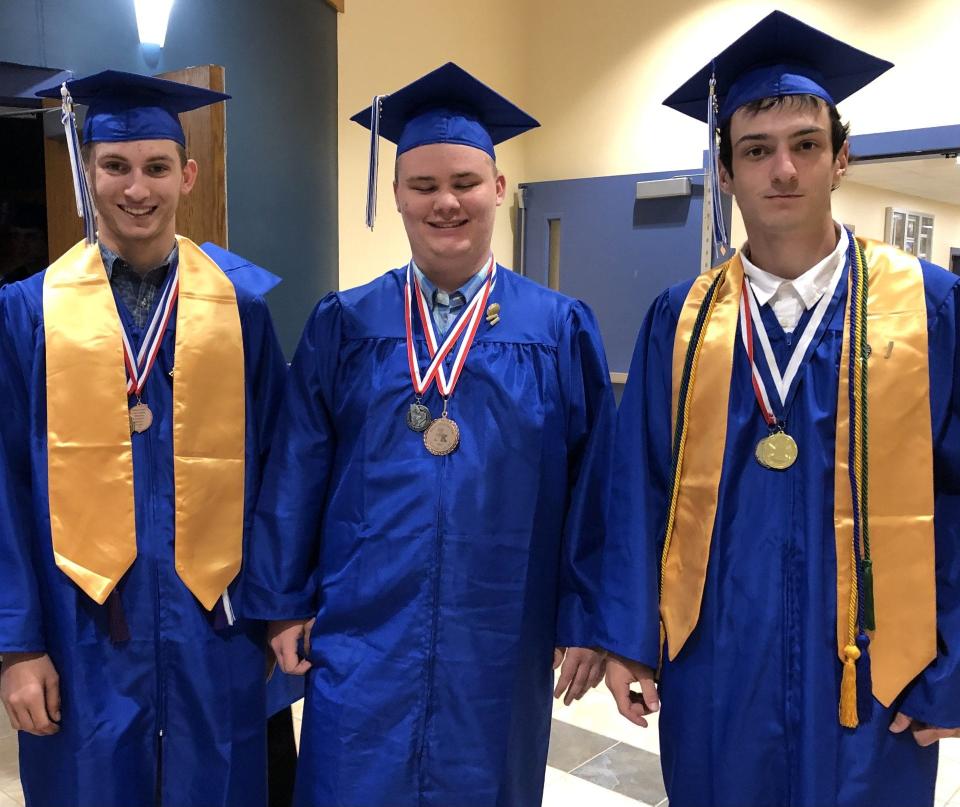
x: 374, y: 159
x: 81, y: 191
x: 720, y: 242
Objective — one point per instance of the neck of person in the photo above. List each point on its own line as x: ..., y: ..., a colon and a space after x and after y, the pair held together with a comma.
x: 449, y: 277
x: 788, y: 254
x: 141, y: 257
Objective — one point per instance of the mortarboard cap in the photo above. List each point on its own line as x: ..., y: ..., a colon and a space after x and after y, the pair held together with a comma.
x: 447, y: 105
x: 778, y: 56
x: 127, y: 106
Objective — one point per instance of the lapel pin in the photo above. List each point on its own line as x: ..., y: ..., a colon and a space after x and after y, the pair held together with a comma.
x: 493, y: 313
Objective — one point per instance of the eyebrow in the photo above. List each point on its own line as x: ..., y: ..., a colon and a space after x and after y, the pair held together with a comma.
x: 429, y: 178
x: 109, y: 155
x: 762, y: 136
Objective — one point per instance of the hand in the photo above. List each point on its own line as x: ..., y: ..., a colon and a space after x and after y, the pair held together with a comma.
x: 582, y: 670
x: 923, y: 734
x: 283, y: 637
x: 634, y: 706
x: 30, y: 690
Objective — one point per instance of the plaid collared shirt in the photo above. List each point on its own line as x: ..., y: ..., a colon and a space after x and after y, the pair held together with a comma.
x: 137, y: 291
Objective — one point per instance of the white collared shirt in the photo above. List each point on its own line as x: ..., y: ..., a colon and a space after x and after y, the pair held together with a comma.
x: 790, y: 298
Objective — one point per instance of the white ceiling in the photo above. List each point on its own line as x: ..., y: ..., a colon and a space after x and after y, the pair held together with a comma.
x: 935, y: 178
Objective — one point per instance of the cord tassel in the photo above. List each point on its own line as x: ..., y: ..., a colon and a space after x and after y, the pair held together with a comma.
x: 848, y: 688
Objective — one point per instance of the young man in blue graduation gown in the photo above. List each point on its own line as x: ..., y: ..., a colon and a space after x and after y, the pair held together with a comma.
x: 445, y: 541
x: 140, y: 385
x: 800, y: 517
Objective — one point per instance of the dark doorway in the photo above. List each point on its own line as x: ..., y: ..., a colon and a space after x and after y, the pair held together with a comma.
x: 23, y: 209
x: 955, y: 260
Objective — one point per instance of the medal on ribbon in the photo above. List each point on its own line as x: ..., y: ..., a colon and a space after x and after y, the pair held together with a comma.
x: 778, y: 450
x: 441, y: 436
x: 139, y: 366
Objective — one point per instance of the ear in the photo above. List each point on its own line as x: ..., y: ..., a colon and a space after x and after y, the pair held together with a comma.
x: 190, y: 171
x: 501, y: 188
x: 726, y: 181
x: 396, y: 198
x: 840, y: 164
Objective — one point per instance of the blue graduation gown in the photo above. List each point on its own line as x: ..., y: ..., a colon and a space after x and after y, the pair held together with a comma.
x: 176, y: 715
x: 440, y: 584
x: 749, y: 706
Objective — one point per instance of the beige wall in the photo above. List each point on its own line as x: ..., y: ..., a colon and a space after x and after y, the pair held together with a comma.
x: 865, y: 206
x: 595, y: 74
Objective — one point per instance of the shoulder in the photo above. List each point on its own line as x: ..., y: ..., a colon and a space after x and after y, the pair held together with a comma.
x: 939, y: 285
x: 23, y: 300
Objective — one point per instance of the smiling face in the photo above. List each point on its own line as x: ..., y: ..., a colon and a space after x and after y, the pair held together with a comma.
x: 783, y: 168
x: 448, y: 195
x: 136, y: 188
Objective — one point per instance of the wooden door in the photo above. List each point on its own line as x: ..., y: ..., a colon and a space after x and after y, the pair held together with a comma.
x: 202, y: 216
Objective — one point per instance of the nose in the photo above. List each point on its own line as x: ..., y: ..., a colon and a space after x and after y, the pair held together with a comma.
x: 783, y: 170
x: 446, y: 203
x: 137, y: 190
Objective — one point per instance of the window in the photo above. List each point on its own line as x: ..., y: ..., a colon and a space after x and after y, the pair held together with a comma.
x: 909, y: 230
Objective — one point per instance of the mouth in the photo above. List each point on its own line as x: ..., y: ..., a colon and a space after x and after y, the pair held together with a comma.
x: 784, y: 196
x: 447, y: 225
x: 137, y: 212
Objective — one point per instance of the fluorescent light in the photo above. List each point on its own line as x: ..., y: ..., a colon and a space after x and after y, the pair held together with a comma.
x: 152, y: 19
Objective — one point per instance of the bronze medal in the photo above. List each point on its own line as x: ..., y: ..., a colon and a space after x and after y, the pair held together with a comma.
x: 418, y: 417
x: 140, y: 417
x: 442, y: 436
x: 777, y: 451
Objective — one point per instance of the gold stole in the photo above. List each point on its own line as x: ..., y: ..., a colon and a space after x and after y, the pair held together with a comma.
x: 900, y: 472
x: 89, y: 450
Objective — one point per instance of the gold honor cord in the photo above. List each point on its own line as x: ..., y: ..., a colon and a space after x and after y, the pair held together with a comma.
x: 90, y: 460
x: 900, y: 468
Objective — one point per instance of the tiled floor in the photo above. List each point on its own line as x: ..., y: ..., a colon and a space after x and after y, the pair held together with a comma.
x: 596, y: 758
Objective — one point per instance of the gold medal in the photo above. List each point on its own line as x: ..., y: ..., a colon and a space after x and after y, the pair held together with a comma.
x: 777, y: 451
x: 140, y: 417
x: 442, y: 436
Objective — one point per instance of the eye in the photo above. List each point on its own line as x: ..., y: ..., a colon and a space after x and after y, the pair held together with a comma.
x: 808, y: 145
x: 465, y: 186
x: 754, y: 152
x: 113, y: 166
x: 423, y: 188
x: 158, y: 169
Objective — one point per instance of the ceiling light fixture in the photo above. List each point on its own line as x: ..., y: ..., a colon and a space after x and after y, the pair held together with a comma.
x: 152, y: 19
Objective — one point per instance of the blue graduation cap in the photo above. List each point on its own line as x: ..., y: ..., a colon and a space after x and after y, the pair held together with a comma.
x: 127, y: 106
x: 778, y: 56
x: 122, y: 107
x: 447, y: 105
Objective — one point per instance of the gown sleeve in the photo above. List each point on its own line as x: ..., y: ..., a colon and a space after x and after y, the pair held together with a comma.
x: 629, y: 623
x: 280, y: 579
x: 588, y: 397
x: 934, y: 697
x: 21, y: 618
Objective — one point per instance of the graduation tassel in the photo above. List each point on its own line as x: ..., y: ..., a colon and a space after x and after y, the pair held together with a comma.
x: 81, y: 191
x: 848, y: 688
x: 719, y: 245
x: 374, y: 160
x: 869, y: 618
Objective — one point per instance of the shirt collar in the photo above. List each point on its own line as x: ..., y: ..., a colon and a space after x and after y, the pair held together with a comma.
x: 809, y: 286
x: 468, y: 289
x: 110, y: 259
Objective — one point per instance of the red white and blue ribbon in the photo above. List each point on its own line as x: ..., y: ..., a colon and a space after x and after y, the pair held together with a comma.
x: 467, y: 323
x: 751, y: 322
x: 139, y: 366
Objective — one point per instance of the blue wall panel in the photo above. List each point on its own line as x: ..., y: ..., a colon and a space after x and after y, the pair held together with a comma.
x: 616, y: 253
x: 281, y: 67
